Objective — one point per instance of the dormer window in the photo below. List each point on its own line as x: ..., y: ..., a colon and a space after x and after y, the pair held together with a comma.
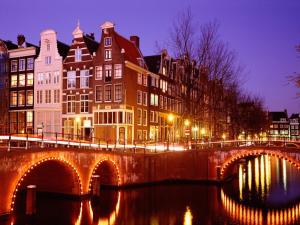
x: 78, y: 54
x: 107, y: 54
x: 107, y: 41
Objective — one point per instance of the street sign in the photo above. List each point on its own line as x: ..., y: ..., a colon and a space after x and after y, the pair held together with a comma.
x: 187, y: 131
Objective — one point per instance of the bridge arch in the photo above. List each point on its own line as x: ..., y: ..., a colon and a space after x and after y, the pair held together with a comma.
x: 108, y: 171
x: 58, y: 164
x: 243, y: 154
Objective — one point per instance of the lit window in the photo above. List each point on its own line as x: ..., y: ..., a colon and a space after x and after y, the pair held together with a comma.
x: 107, y: 41
x: 154, y: 99
x: 107, y: 93
x: 48, y: 60
x: 71, y: 103
x: 14, y: 81
x: 78, y: 54
x: 84, y: 78
x: 107, y: 70
x: 21, y: 64
x: 164, y: 70
x: 13, y: 98
x: 99, y: 94
x: 29, y: 119
x: 30, y: 64
x: 118, y: 71
x: 98, y: 71
x: 107, y: 54
x: 21, y: 80
x: 118, y: 92
x: 29, y: 96
x: 21, y: 98
x: 71, y: 79
x: 14, y: 66
x: 84, y: 103
x: 29, y: 79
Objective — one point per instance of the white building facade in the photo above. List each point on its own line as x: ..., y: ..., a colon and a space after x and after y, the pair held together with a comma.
x: 48, y: 86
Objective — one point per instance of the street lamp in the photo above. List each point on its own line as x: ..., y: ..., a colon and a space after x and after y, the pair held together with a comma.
x: 186, y: 122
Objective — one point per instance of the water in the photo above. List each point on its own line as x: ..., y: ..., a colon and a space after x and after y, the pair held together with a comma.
x: 262, y: 190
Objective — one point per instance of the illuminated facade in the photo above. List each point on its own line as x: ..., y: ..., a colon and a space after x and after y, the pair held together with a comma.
x: 21, y: 85
x: 48, y: 84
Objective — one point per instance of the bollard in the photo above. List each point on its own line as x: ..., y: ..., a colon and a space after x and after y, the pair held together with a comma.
x: 31, y: 200
x: 96, y: 185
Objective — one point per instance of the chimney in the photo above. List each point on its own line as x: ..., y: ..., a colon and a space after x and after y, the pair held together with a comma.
x: 135, y: 40
x: 21, y: 40
x: 91, y: 36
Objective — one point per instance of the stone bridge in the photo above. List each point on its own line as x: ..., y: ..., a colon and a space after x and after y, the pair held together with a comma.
x: 71, y: 170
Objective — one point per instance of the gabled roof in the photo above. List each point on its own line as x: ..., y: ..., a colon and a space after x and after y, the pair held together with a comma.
x: 91, y: 44
x: 9, y: 44
x: 295, y: 116
x: 276, y: 116
x: 153, y: 63
x: 63, y: 49
x: 132, y: 53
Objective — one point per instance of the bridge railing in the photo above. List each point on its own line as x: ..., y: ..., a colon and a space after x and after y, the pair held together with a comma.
x: 42, y: 140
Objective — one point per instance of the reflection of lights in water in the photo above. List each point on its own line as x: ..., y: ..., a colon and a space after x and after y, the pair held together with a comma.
x: 78, y: 221
x: 91, y: 214
x: 188, y: 217
x: 246, y: 215
x: 256, y: 168
x: 249, y: 175
x: 111, y: 220
x: 241, y: 181
x: 284, y: 173
x: 262, y: 176
x: 268, y: 172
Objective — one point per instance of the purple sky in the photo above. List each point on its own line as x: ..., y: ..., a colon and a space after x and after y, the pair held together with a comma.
x: 263, y: 32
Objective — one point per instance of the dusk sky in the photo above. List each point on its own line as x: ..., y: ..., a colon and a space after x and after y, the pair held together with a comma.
x: 262, y: 32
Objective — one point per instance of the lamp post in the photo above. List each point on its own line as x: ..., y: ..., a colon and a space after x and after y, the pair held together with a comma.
x: 170, y: 123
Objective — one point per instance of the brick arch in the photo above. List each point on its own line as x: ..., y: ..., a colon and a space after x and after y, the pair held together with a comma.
x: 243, y: 154
x: 114, y: 170
x: 28, y: 171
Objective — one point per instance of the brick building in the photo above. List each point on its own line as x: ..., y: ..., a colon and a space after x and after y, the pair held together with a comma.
x: 279, y: 125
x: 295, y: 126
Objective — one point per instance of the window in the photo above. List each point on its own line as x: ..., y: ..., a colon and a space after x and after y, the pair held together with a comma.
x: 145, y: 80
x: 14, y: 66
x: 21, y: 80
x: 30, y: 64
x: 29, y: 81
x: 13, y: 98
x: 107, y: 93
x: 47, y: 78
x: 164, y: 70
x: 14, y: 81
x: 118, y: 92
x: 154, y: 99
x: 84, y: 103
x: 139, y: 116
x: 145, y: 117
x: 153, y: 81
x: 56, y: 77
x: 145, y: 98
x: 29, y: 98
x: 71, y: 103
x: 40, y: 78
x: 84, y: 78
x: 107, y: 54
x: 163, y: 85
x: 39, y: 97
x: 21, y: 64
x: 107, y: 41
x: 152, y: 116
x: 21, y: 98
x: 161, y: 101
x: 71, y: 79
x: 48, y: 60
x: 139, y: 81
x: 139, y: 135
x: 99, y: 94
x: 98, y: 70
x: 48, y: 46
x: 29, y: 119
x: 48, y: 96
x: 107, y: 70
x: 118, y: 71
x: 56, y: 96
x: 139, y: 97
x: 78, y: 54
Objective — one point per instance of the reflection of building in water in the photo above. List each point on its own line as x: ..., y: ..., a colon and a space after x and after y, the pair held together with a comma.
x: 111, y: 219
x: 262, y: 176
x: 246, y: 215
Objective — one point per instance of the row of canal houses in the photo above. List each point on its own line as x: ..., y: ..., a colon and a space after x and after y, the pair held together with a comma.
x: 107, y: 90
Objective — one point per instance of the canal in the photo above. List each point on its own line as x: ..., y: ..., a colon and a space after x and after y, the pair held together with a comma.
x: 258, y: 190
